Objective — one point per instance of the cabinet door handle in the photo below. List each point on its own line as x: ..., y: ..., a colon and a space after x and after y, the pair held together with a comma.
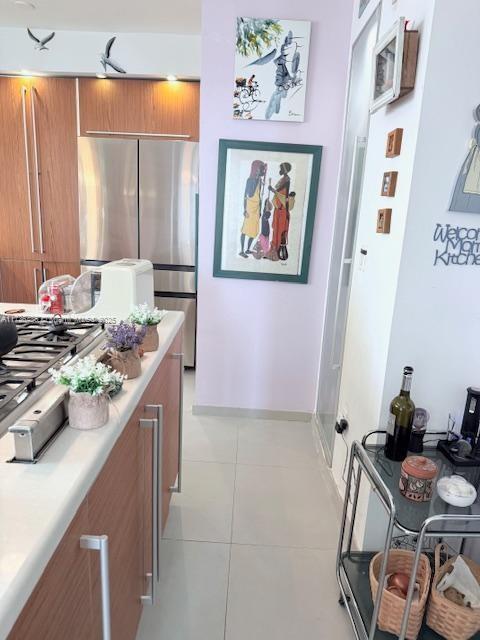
x: 27, y: 166
x: 45, y: 273
x: 178, y: 487
x: 137, y: 134
x: 100, y: 543
x: 35, y: 283
x: 37, y: 168
x: 157, y: 496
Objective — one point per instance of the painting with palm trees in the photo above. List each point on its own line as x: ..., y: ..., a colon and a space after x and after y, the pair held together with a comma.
x: 271, y: 58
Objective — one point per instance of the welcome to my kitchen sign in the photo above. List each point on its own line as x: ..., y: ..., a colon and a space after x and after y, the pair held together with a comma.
x: 456, y: 245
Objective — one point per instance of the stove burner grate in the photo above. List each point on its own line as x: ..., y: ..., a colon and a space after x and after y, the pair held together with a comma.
x: 41, y: 345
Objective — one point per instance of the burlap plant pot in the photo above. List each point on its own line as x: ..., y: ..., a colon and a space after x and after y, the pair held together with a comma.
x: 126, y: 362
x: 150, y: 341
x: 86, y: 411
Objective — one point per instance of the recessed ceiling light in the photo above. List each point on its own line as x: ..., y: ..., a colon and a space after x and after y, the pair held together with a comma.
x: 101, y: 76
x: 24, y: 3
x: 172, y: 78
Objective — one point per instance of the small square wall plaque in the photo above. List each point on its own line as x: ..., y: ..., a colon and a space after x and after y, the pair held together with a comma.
x: 394, y: 143
x: 384, y: 218
x: 389, y: 183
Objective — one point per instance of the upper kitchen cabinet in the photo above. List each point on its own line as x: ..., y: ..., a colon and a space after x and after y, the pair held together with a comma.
x: 18, y: 219
x: 153, y: 108
x: 38, y: 181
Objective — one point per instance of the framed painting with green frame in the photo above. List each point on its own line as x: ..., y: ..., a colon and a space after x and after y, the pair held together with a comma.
x: 266, y: 202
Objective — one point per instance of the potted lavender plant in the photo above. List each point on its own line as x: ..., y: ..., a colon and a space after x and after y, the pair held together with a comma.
x: 89, y: 383
x: 122, y: 343
x: 145, y: 318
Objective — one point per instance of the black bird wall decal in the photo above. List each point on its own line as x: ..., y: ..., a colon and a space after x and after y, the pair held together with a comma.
x: 41, y: 42
x: 107, y: 61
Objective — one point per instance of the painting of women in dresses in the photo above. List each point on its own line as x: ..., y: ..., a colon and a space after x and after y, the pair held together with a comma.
x: 266, y: 201
x: 252, y: 206
x: 466, y: 195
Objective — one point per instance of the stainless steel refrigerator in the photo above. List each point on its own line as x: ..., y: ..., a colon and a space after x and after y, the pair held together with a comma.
x: 139, y: 199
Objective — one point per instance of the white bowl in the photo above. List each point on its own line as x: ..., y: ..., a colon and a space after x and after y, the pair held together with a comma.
x: 457, y: 491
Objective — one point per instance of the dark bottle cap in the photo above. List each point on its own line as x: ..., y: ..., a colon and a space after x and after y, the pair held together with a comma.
x: 407, y: 371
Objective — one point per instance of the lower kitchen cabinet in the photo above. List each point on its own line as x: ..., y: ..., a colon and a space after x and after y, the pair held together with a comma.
x: 60, y: 607
x: 54, y: 269
x: 20, y: 279
x: 114, y: 509
x: 67, y: 603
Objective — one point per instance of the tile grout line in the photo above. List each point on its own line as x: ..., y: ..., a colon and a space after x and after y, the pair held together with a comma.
x: 231, y: 539
x: 333, y: 548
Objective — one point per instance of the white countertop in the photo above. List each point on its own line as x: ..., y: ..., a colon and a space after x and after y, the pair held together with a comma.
x: 38, y: 501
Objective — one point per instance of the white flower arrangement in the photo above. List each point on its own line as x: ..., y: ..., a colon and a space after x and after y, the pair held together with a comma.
x: 88, y: 376
x: 145, y: 316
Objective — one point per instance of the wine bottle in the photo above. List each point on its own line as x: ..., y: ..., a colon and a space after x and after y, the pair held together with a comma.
x: 400, y: 420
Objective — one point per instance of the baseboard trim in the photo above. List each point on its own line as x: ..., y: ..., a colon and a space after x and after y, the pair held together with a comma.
x: 258, y: 414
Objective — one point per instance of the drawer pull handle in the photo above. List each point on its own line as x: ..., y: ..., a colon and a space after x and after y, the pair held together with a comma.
x: 178, y: 487
x: 100, y: 543
x: 157, y: 497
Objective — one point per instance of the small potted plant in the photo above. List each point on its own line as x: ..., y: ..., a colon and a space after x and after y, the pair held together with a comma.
x: 143, y: 316
x: 123, y: 342
x: 89, y: 383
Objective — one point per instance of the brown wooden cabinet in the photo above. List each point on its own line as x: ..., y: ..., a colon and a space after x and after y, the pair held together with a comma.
x: 17, y: 215
x: 115, y: 510
x: 54, y: 269
x: 19, y: 280
x: 145, y: 107
x: 54, y: 104
x: 38, y: 181
x: 66, y: 602
x: 61, y: 604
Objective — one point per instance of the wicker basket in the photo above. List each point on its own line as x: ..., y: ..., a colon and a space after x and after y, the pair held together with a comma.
x: 392, y: 606
x: 451, y: 620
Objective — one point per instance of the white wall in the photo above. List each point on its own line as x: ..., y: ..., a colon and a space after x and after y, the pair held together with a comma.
x: 259, y: 342
x: 437, y: 312
x: 373, y: 292
x: 77, y: 53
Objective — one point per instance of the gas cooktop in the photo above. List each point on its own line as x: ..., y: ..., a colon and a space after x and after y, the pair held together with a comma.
x: 42, y: 343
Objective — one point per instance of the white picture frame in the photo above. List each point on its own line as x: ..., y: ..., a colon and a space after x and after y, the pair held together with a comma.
x: 387, y: 67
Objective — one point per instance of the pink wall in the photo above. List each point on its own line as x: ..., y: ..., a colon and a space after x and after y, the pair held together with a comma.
x: 259, y: 342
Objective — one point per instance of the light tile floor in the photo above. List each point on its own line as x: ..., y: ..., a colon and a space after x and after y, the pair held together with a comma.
x: 249, y: 547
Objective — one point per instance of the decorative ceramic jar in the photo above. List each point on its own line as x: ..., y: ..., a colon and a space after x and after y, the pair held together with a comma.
x: 87, y: 411
x: 417, y: 478
x: 150, y: 341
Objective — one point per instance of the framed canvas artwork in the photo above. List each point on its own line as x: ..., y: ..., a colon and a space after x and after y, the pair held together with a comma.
x: 266, y: 201
x: 271, y: 59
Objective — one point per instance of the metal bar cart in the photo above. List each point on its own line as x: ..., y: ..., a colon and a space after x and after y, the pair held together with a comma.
x: 434, y: 519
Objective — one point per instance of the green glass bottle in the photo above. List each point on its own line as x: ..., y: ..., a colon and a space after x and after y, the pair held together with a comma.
x: 400, y: 420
